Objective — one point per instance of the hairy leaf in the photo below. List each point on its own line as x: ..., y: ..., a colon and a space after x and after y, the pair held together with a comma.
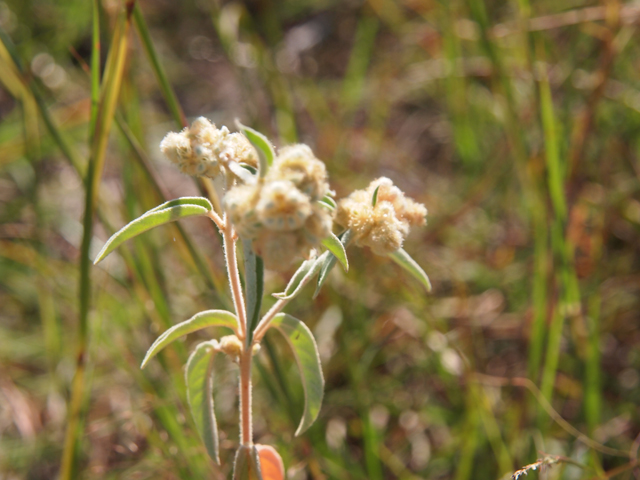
x: 335, y: 246
x: 203, y: 202
x: 330, y: 261
x: 208, y: 318
x: 374, y: 200
x: 305, y: 351
x: 271, y: 465
x: 328, y: 202
x: 262, y: 146
x: 254, y: 281
x: 153, y: 218
x: 199, y: 381
x: 305, y: 272
x: 403, y: 259
x: 247, y: 464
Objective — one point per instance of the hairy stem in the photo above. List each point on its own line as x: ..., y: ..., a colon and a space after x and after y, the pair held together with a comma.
x: 234, y: 278
x: 263, y: 326
x: 246, y: 423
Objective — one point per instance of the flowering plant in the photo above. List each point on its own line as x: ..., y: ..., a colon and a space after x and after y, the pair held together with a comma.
x: 281, y: 209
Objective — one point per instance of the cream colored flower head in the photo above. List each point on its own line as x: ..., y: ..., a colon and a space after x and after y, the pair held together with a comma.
x: 279, y: 214
x: 382, y: 227
x: 298, y: 164
x: 204, y: 150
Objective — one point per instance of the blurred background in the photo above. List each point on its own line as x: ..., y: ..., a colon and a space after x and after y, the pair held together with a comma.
x: 515, y: 122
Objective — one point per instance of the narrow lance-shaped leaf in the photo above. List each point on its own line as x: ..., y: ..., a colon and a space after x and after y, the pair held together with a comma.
x: 335, y: 246
x: 203, y: 202
x: 199, y: 379
x: 146, y: 222
x: 262, y: 146
x: 305, y: 272
x: 271, y: 465
x: 403, y: 259
x: 208, y: 318
x: 374, y: 200
x: 254, y: 281
x: 328, y: 202
x: 330, y: 261
x: 305, y: 351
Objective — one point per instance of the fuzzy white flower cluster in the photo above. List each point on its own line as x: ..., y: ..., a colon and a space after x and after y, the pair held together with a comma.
x: 204, y: 150
x: 280, y: 213
x: 382, y: 227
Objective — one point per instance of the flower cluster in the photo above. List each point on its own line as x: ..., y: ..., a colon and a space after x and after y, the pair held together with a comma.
x: 280, y: 213
x: 383, y: 226
x: 204, y: 150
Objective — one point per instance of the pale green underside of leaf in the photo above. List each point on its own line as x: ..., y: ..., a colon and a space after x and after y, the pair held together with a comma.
x: 201, y: 201
x: 262, y: 146
x: 403, y: 259
x: 153, y: 218
x: 246, y: 465
x: 208, y: 318
x: 329, y: 262
x: 305, y: 272
x: 334, y: 245
x: 305, y: 351
x: 199, y: 379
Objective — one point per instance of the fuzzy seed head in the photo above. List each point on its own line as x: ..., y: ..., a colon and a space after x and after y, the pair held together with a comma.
x: 279, y: 213
x: 298, y: 164
x: 204, y: 150
x: 382, y: 227
x: 282, y: 207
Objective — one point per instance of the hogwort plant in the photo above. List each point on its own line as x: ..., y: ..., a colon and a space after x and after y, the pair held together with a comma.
x: 281, y: 209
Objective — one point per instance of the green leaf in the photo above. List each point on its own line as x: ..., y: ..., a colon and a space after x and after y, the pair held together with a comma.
x: 374, y: 200
x: 247, y: 464
x: 328, y: 202
x: 254, y: 286
x: 335, y: 246
x: 199, y: 381
x: 330, y: 261
x: 203, y: 202
x: 262, y: 146
x: 208, y: 318
x: 305, y: 272
x: 403, y: 259
x: 305, y: 350
x: 151, y: 219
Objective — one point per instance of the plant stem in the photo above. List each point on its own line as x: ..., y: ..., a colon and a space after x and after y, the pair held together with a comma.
x: 231, y: 258
x: 263, y: 326
x: 234, y: 278
x: 246, y: 423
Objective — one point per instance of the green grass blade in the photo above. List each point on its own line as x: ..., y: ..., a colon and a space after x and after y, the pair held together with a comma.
x: 199, y: 380
x: 403, y: 259
x: 208, y: 318
x: 169, y: 95
x: 335, y: 246
x: 305, y: 350
x: 146, y: 222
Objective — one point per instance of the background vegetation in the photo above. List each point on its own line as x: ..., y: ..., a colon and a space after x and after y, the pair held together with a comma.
x: 515, y: 123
